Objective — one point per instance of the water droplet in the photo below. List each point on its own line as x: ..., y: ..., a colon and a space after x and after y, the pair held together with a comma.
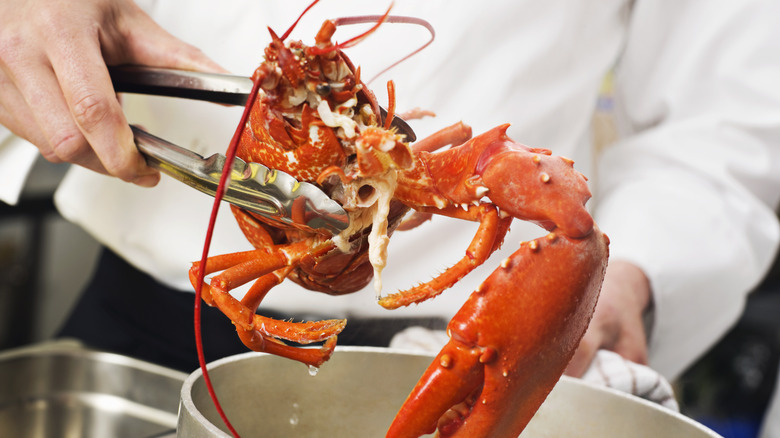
x: 313, y: 370
x: 294, y: 418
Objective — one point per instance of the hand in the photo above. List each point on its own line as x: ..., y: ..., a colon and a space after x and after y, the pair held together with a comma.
x: 617, y: 323
x: 55, y: 90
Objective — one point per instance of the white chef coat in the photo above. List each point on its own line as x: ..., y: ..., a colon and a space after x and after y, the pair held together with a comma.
x: 687, y: 193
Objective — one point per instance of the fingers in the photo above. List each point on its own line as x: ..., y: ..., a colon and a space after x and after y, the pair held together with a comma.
x: 34, y: 109
x: 95, y: 112
x: 617, y: 324
x: 633, y: 345
x: 55, y: 90
x: 586, y: 352
x: 43, y: 117
x: 627, y: 344
x: 15, y: 114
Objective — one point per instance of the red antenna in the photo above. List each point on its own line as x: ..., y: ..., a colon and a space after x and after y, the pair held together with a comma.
x: 286, y: 34
x: 379, y: 19
x: 361, y: 19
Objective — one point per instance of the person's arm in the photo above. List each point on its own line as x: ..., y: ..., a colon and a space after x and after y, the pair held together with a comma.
x: 687, y: 196
x: 55, y: 90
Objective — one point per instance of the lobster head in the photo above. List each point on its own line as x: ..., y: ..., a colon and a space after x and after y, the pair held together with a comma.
x: 315, y: 119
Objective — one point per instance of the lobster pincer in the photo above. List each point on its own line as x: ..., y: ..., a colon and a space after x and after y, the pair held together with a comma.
x: 509, y: 344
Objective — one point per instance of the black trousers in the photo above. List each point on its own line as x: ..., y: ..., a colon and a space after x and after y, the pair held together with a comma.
x: 124, y: 310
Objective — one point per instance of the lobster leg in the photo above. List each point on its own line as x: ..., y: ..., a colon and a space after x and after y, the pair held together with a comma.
x: 523, y: 182
x: 302, y: 333
x: 510, y: 342
x: 451, y: 135
x: 488, y: 238
x: 257, y: 332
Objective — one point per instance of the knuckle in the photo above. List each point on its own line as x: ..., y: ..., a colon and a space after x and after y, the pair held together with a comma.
x: 68, y: 145
x: 187, y: 52
x: 120, y: 166
x: 49, y: 155
x: 89, y: 109
x: 192, y: 52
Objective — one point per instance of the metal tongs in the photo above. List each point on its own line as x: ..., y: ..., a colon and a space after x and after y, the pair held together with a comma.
x: 271, y: 193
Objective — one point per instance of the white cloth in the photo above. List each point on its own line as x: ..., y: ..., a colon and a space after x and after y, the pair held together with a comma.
x: 687, y: 194
x: 419, y: 339
x: 613, y: 371
x: 17, y: 157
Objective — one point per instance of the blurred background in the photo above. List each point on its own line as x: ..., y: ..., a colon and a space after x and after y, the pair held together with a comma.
x: 45, y: 261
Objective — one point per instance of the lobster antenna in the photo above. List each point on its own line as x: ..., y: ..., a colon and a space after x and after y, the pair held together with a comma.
x: 379, y: 19
x: 360, y: 19
x: 286, y: 34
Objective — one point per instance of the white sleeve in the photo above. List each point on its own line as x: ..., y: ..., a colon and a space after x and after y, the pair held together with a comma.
x: 17, y: 157
x: 689, y: 192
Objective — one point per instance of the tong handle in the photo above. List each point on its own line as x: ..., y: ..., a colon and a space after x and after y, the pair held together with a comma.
x: 211, y: 87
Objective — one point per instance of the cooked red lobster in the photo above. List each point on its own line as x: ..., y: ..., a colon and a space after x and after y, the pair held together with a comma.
x: 314, y: 118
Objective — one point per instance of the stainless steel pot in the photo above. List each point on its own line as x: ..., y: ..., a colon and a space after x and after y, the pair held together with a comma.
x: 358, y: 392
x: 63, y: 390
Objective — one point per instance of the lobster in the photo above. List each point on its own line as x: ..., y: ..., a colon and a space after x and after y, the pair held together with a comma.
x: 312, y: 116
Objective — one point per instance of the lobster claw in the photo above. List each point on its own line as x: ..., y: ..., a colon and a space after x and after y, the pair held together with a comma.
x: 510, y: 342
